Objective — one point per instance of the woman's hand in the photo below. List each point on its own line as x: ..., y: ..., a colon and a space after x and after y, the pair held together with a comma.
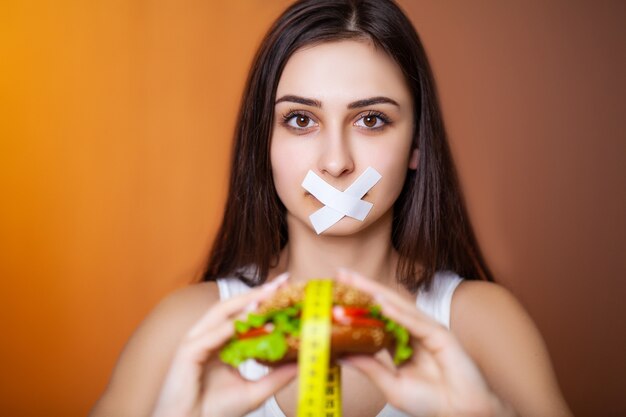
x: 199, y: 384
x: 440, y: 379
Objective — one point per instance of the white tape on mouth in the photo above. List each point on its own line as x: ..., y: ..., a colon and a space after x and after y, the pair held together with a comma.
x: 338, y: 204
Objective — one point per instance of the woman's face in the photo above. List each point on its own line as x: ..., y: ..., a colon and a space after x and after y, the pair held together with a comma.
x: 341, y: 107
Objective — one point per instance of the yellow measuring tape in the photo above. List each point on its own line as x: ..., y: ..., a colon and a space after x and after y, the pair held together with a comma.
x: 319, y: 382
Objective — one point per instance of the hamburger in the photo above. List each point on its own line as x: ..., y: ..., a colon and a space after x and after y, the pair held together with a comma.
x: 271, y: 334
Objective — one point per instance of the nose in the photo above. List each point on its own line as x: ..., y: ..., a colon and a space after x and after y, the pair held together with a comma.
x: 336, y: 157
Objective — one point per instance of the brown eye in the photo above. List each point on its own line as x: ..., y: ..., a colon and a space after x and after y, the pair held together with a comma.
x: 370, y: 121
x: 302, y: 121
x: 299, y: 122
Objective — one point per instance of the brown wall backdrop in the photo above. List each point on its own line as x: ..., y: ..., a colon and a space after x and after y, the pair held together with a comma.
x: 115, y: 130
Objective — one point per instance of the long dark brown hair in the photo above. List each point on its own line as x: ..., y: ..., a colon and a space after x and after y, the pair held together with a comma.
x: 431, y: 229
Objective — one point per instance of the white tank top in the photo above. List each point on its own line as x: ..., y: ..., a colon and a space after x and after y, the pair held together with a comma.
x: 436, y: 303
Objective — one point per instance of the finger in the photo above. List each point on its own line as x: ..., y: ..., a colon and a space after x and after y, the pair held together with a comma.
x: 227, y: 308
x: 189, y: 361
x: 200, y: 349
x: 429, y: 333
x: 383, y: 295
x: 447, y: 352
x: 258, y: 391
x: 376, y: 290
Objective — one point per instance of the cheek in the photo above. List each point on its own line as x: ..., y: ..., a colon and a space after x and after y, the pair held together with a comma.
x: 392, y: 161
x: 393, y: 165
x: 392, y: 181
x: 280, y: 172
x: 288, y: 168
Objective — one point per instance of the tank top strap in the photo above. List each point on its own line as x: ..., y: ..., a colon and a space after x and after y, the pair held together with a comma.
x: 231, y: 287
x: 437, y: 301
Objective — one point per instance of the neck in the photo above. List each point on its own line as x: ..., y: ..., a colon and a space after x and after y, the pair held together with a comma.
x: 368, y: 252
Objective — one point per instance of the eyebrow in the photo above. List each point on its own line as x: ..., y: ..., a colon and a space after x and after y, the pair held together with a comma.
x: 370, y: 101
x: 354, y: 105
x: 300, y: 100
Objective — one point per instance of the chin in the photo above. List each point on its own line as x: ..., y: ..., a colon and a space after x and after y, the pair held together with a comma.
x: 344, y: 227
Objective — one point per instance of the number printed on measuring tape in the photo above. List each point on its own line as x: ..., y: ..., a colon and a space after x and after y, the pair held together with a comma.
x: 333, y: 392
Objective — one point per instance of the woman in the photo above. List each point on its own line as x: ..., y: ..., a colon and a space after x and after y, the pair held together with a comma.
x: 339, y: 88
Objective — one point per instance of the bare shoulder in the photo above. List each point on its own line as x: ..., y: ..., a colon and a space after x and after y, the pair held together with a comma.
x: 185, y: 304
x: 174, y: 315
x: 501, y: 337
x: 475, y: 301
x: 487, y: 318
x: 144, y: 361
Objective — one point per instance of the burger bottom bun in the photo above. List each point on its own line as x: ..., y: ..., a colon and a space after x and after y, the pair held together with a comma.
x: 344, y: 340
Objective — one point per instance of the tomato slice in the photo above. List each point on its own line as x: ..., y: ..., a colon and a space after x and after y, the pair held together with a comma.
x: 259, y: 331
x: 355, y: 311
x: 355, y: 316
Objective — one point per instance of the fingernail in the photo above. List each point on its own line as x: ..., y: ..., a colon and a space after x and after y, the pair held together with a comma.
x: 380, y: 299
x: 282, y: 278
x: 343, y: 273
x: 273, y: 285
x: 251, y: 307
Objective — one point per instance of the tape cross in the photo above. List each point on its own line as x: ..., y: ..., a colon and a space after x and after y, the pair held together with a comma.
x: 338, y: 204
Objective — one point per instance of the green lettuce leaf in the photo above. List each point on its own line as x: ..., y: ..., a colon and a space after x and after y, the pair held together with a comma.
x: 403, y: 350
x: 270, y: 347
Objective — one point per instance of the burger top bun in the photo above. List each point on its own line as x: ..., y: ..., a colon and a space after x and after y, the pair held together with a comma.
x: 291, y: 294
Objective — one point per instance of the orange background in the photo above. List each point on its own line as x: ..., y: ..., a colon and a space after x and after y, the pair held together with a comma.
x: 115, y: 131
